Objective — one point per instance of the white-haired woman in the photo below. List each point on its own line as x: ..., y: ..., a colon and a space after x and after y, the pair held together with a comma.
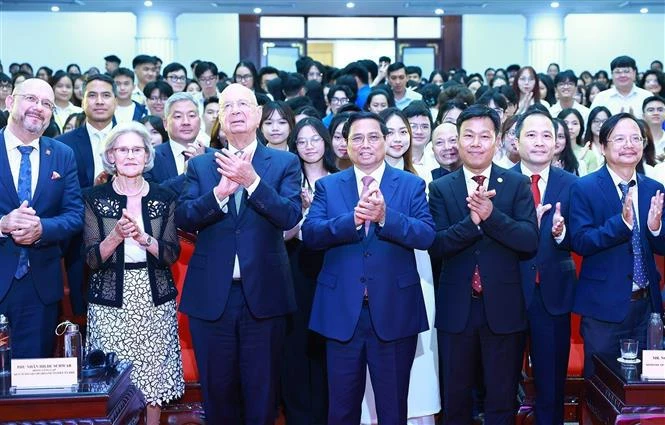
x: 130, y: 242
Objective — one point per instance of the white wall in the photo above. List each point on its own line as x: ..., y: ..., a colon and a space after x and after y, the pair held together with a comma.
x: 210, y: 36
x: 492, y: 41
x: 58, y: 40
x: 592, y: 41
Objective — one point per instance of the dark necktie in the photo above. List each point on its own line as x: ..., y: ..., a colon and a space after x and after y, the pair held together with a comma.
x: 476, y: 283
x: 535, y: 178
x: 639, y: 266
x: 367, y: 180
x: 237, y: 196
x: 24, y: 194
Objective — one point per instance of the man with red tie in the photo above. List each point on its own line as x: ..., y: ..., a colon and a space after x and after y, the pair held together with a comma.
x: 548, y: 279
x: 485, y: 224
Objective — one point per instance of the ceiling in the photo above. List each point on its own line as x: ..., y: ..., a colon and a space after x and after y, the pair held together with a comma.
x: 338, y: 7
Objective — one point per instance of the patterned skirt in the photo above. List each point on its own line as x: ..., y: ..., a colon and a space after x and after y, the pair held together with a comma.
x: 143, y: 334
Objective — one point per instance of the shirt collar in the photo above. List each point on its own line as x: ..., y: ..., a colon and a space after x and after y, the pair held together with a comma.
x: 12, y: 142
x: 486, y: 173
x: 177, y: 148
x: 616, y: 179
x: 249, y: 149
x: 544, y: 175
x: 376, y: 174
x: 92, y: 131
x: 633, y: 91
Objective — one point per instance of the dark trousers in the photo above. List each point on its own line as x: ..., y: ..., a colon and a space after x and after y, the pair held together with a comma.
x: 238, y: 357
x: 501, y: 357
x: 549, y: 348
x: 75, y: 267
x: 389, y: 365
x: 32, y: 322
x: 602, y: 337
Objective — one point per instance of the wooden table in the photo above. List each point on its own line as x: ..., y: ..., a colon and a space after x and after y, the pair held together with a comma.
x: 107, y: 400
x: 617, y: 395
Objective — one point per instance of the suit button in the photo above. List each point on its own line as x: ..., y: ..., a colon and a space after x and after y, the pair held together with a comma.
x: 367, y: 254
x: 363, y: 280
x: 533, y: 267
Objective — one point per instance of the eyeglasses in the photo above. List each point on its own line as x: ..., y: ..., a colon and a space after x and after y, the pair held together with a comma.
x: 339, y: 100
x: 622, y: 71
x: 176, y: 78
x: 124, y: 151
x: 651, y: 110
x: 158, y: 99
x: 5, y: 86
x: 316, y: 140
x: 372, y: 139
x: 31, y: 98
x: 245, y: 77
x: 243, y: 105
x: 596, y: 121
x: 634, y: 140
x: 314, y: 74
x: 416, y: 126
x: 566, y: 84
x: 526, y: 80
x: 208, y: 80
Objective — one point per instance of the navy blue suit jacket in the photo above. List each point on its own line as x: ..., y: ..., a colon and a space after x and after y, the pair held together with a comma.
x: 140, y: 111
x: 603, y: 239
x: 553, y: 261
x: 383, y: 261
x: 509, y: 235
x: 57, y: 201
x: 165, y: 171
x: 439, y: 172
x: 79, y: 141
x: 255, y: 234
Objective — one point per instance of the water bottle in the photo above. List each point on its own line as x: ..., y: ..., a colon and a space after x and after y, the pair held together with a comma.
x: 5, y: 346
x: 655, y: 333
x: 74, y: 345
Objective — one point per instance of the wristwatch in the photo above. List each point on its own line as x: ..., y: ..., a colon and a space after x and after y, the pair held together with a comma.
x: 147, y: 243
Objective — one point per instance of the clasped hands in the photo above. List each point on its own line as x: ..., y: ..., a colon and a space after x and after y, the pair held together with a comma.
x: 235, y: 170
x: 127, y: 227
x: 655, y: 209
x: 371, y: 206
x: 23, y: 225
x: 558, y: 221
x: 480, y: 204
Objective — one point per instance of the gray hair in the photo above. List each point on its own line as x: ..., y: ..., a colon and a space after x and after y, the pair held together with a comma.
x: 125, y: 128
x: 178, y: 97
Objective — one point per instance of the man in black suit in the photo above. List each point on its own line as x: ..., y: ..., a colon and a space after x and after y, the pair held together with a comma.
x: 548, y: 280
x: 486, y: 223
x: 183, y: 122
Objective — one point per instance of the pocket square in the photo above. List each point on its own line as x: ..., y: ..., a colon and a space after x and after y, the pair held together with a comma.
x: 55, y: 175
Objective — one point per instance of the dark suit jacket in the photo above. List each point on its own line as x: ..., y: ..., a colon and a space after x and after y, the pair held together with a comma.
x: 57, y: 201
x: 603, y: 239
x: 140, y: 111
x: 553, y: 261
x: 255, y: 234
x: 383, y: 260
x: 439, y: 172
x: 510, y: 234
x: 79, y: 141
x: 165, y: 171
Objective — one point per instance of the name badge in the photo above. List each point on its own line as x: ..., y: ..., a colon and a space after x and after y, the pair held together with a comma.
x: 56, y: 372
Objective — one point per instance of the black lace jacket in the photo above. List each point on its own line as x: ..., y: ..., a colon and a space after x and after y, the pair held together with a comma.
x: 103, y: 208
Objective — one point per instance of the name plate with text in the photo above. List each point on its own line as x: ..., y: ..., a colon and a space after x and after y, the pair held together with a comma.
x: 653, y: 365
x: 56, y: 372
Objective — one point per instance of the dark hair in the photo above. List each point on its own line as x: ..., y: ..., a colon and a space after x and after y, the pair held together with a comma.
x: 414, y: 70
x: 141, y: 59
x: 298, y: 102
x: 307, y: 110
x: 4, y: 78
x: 649, y: 150
x: 211, y: 99
x: 204, y: 66
x: 565, y: 76
x: 124, y: 72
x: 174, y: 67
x: 597, y: 84
x: 385, y: 59
x: 363, y: 115
x: 191, y: 81
x: 567, y: 155
x: 252, y: 69
x: 609, y: 125
x: 270, y: 108
x: 338, y: 87
x: 53, y: 129
x: 508, y: 123
x: 498, y: 77
x: 446, y: 107
x: 371, y: 67
x: 530, y: 112
x: 357, y: 70
x: 654, y: 98
x: 59, y: 75
x: 535, y: 91
x: 349, y: 107
x: 550, y: 96
x: 395, y: 67
x: 656, y: 62
x: 317, y: 64
x: 660, y: 77
x: 158, y: 124
x: 379, y: 91
x: 49, y: 71
x: 112, y: 58
x: 388, y: 113
x: 314, y: 91
x: 556, y: 65
x: 77, y: 117
x: 100, y: 77
x: 339, y: 118
x: 493, y: 95
x: 73, y: 65
x: 293, y: 83
x: 444, y: 76
x: 328, y: 153
x: 588, y: 134
x: 456, y: 91
x: 164, y: 88
x: 418, y: 108
x: 479, y: 111
x: 274, y: 87
x: 513, y: 68
x: 267, y: 70
x: 623, y: 62
x: 563, y: 114
x: 430, y: 93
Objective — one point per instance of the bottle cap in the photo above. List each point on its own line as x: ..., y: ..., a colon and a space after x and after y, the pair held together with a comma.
x: 72, y: 327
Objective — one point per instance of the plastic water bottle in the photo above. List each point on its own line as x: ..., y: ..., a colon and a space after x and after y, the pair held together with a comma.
x: 655, y: 332
x: 74, y: 345
x: 5, y: 346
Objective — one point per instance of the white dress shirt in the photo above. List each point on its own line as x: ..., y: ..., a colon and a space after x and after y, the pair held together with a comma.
x: 125, y: 113
x: 556, y: 108
x: 542, y: 185
x: 615, y: 101
x: 177, y: 150
x: 61, y: 114
x: 97, y: 138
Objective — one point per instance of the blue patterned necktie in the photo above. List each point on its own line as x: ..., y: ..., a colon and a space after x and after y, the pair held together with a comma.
x: 639, y: 267
x: 24, y: 194
x: 238, y: 193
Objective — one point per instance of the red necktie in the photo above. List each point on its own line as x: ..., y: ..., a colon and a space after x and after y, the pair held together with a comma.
x: 367, y: 180
x: 476, y: 284
x: 535, y: 178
